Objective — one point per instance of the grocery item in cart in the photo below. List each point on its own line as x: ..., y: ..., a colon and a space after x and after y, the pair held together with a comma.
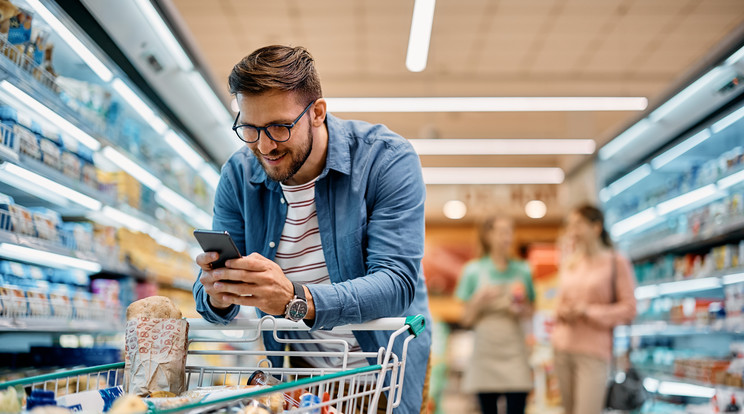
x: 128, y: 404
x: 156, y: 345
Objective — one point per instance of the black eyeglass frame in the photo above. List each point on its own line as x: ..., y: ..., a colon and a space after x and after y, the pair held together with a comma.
x: 265, y: 129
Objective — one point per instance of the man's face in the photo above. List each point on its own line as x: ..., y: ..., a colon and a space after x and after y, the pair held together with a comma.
x: 280, y: 160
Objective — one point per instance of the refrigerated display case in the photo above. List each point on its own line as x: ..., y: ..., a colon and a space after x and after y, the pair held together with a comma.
x: 678, y: 213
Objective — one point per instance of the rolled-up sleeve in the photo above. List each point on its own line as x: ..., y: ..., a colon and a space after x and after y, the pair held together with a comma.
x: 227, y: 216
x: 394, y: 248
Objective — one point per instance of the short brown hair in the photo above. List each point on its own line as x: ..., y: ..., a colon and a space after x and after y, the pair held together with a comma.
x: 277, y: 67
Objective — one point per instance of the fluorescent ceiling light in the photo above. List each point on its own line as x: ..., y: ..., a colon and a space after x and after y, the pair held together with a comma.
x: 418, y: 40
x: 629, y: 180
x: 624, y: 139
x: 51, y: 116
x: 695, y: 87
x: 165, y: 34
x: 486, y: 104
x: 140, y: 106
x: 85, y: 54
x: 488, y: 175
x: 728, y: 120
x: 735, y: 57
x: 731, y: 180
x: 502, y: 146
x: 679, y: 149
x: 690, y: 285
x: 633, y: 222
x: 687, y: 199
x: 733, y: 278
x: 208, y: 95
x: 209, y: 175
x: 646, y: 292
x: 455, y: 209
x: 51, y: 186
x: 132, y: 168
x: 184, y: 150
x: 686, y: 390
x: 126, y: 220
x: 27, y: 254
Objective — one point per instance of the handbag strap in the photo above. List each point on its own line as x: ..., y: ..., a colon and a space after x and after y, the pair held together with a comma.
x: 613, y: 278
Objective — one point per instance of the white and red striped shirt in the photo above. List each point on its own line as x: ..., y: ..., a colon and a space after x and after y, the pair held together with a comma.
x: 300, y: 255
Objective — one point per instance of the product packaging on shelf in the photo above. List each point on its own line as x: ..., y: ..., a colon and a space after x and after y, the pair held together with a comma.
x: 47, y: 223
x: 23, y: 137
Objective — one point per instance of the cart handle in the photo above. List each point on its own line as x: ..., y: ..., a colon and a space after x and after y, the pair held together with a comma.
x: 63, y: 374
x: 416, y: 324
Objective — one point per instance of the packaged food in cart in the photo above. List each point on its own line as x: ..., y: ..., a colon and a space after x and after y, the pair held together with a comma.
x: 155, y: 350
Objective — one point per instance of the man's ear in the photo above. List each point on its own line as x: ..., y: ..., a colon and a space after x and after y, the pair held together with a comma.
x: 318, y: 112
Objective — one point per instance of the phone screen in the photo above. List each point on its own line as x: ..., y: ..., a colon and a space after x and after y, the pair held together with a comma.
x: 220, y: 242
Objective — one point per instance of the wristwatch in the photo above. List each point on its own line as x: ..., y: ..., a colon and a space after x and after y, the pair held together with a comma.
x: 297, y: 307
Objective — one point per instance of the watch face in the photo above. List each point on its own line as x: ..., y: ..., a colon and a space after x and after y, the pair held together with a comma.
x: 297, y: 310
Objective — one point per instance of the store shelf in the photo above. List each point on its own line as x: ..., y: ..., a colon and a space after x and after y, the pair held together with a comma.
x: 639, y: 251
x: 663, y: 328
x: 714, y: 281
x: 58, y: 325
x: 700, y: 389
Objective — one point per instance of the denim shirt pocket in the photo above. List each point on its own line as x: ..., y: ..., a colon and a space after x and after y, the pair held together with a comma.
x: 351, y: 257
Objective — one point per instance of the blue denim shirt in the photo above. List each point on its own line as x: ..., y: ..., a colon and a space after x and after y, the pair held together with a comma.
x: 370, y: 204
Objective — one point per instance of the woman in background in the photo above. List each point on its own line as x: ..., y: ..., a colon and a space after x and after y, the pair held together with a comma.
x: 595, y: 294
x: 499, y: 295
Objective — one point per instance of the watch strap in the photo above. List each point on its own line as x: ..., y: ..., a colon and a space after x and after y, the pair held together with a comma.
x: 299, y: 291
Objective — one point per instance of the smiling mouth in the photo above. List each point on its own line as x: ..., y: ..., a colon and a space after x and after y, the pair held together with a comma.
x: 269, y: 159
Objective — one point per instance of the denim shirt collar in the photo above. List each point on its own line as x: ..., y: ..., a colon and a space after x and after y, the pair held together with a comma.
x: 338, y: 157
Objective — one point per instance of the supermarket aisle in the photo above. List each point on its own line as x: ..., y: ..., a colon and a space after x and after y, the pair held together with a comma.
x: 115, y: 122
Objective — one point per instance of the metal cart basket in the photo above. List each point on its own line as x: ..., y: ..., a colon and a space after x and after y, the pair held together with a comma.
x: 222, y: 389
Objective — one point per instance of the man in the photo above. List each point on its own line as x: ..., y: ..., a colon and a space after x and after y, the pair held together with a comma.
x: 330, y: 214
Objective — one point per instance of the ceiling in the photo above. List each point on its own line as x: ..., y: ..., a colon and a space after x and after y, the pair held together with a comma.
x: 478, y: 48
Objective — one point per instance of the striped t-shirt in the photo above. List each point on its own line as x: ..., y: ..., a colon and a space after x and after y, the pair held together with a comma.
x: 300, y: 255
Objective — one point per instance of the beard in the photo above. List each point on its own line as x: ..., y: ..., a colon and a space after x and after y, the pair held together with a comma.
x: 297, y: 158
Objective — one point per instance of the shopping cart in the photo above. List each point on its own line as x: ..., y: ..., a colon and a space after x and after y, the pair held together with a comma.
x: 213, y: 389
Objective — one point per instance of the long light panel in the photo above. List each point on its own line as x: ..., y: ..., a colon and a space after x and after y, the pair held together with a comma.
x: 85, y: 54
x: 165, y: 34
x: 140, y: 106
x: 690, y: 285
x: 502, y: 146
x: 50, y: 116
x: 132, y: 168
x: 27, y: 254
x: 633, y: 222
x: 624, y: 139
x: 495, y: 175
x: 681, y: 148
x: 727, y: 121
x: 184, y: 150
x: 704, y: 81
x: 486, y: 104
x: 699, y: 195
x: 34, y: 180
x: 209, y: 175
x: 418, y: 40
x: 627, y: 181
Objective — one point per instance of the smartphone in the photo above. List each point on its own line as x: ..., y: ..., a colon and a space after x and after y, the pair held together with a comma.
x: 220, y: 242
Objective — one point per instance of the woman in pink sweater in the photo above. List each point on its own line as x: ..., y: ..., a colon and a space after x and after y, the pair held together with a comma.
x: 589, y: 306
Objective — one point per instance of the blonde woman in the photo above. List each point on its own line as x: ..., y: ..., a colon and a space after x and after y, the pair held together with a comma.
x: 596, y: 293
x: 498, y: 295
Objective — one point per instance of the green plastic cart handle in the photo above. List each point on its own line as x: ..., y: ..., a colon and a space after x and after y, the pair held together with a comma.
x: 61, y: 374
x: 416, y: 324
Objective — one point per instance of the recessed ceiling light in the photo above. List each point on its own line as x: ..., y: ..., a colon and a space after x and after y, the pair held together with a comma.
x: 455, y: 209
x: 535, y: 209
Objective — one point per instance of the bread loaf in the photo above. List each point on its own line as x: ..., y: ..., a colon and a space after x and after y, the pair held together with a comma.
x: 153, y: 307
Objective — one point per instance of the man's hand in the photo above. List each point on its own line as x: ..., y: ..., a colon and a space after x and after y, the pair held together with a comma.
x: 252, y: 281
x: 204, y: 261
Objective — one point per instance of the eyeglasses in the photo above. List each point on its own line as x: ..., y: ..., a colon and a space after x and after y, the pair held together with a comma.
x: 276, y: 132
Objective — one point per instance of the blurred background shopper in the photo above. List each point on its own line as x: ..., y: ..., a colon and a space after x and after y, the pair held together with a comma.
x: 595, y: 295
x: 499, y: 294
